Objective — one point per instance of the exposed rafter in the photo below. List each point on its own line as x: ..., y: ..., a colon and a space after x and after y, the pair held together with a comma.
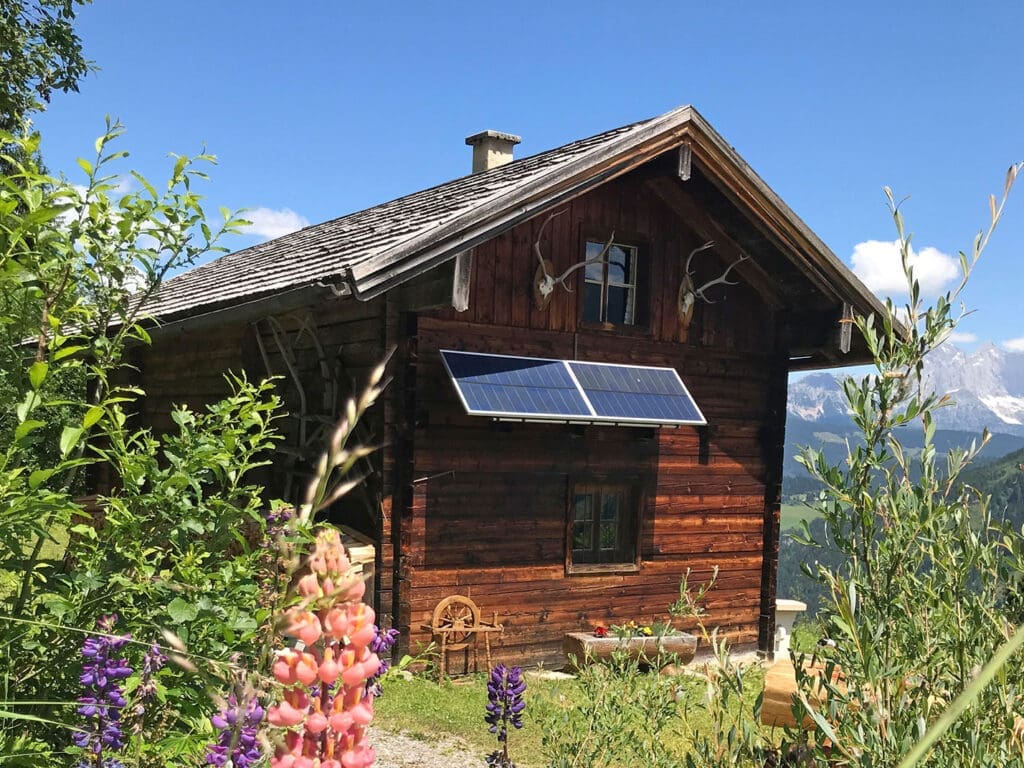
x: 671, y: 192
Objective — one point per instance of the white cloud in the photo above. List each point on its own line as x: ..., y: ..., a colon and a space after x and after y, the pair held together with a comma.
x: 268, y: 223
x: 877, y: 264
x: 1014, y: 345
x: 959, y: 337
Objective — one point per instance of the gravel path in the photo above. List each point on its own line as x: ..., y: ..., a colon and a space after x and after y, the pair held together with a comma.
x: 397, y: 750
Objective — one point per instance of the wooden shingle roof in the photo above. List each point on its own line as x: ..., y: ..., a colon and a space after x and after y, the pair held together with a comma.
x: 370, y: 251
x: 366, y: 241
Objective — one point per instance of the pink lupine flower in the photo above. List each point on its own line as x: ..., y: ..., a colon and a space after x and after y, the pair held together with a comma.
x: 305, y: 626
x: 325, y: 703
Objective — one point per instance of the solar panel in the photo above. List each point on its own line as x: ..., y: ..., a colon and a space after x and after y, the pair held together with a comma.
x: 502, y: 386
x: 499, y: 385
x: 637, y: 392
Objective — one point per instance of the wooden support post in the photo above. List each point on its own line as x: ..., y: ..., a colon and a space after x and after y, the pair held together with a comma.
x: 685, y: 164
x: 461, y: 280
x: 773, y: 449
x: 846, y: 328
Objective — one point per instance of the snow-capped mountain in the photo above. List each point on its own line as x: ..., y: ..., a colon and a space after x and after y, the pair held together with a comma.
x: 987, y: 387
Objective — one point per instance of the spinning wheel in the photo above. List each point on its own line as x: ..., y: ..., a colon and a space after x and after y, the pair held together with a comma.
x: 460, y: 617
x: 456, y: 624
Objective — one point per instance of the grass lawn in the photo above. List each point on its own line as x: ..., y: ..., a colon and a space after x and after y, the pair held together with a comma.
x: 792, y: 514
x: 52, y: 549
x: 425, y: 710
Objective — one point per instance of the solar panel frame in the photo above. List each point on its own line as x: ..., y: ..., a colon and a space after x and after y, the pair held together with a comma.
x: 518, y: 386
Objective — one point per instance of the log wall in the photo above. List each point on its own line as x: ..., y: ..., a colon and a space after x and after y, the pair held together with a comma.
x: 485, y: 511
x: 331, y: 348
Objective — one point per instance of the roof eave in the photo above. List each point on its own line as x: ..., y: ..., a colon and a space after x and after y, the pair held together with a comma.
x: 795, y: 238
x: 683, y: 125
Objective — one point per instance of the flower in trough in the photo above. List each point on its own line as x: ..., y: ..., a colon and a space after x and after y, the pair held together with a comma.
x: 326, y: 704
x: 600, y: 631
x: 103, y: 699
x: 505, y: 707
x: 237, y: 724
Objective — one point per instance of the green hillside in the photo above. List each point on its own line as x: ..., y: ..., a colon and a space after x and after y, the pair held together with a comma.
x: 831, y: 438
x: 1004, y: 481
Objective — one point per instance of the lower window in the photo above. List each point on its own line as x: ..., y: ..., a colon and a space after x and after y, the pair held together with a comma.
x: 603, y: 525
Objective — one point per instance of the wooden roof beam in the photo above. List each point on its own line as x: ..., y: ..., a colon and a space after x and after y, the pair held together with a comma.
x: 671, y: 192
x: 815, y: 339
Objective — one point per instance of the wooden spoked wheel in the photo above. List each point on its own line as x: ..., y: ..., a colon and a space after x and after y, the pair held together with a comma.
x: 459, y: 617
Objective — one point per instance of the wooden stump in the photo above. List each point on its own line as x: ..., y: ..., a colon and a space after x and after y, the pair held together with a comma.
x: 780, y: 692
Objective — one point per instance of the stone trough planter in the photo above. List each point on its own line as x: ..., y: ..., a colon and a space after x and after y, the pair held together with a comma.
x: 584, y: 646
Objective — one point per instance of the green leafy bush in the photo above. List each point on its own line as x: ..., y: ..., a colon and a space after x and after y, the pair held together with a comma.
x: 179, y: 543
x: 917, y: 606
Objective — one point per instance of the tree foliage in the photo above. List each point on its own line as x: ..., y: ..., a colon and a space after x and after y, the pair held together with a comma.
x: 39, y: 53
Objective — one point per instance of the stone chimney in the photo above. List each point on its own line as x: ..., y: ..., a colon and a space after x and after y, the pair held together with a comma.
x: 491, y: 149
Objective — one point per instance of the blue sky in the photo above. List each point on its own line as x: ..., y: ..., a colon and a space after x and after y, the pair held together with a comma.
x: 319, y: 108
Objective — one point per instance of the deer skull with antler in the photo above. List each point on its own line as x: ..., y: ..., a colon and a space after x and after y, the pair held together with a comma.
x: 544, y: 280
x: 689, y: 293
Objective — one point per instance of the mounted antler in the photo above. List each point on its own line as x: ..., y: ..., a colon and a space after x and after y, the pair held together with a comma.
x: 544, y: 281
x: 688, y: 293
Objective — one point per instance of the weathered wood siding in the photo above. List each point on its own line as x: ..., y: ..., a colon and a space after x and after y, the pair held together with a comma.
x: 185, y: 369
x: 485, y: 509
x: 331, y: 349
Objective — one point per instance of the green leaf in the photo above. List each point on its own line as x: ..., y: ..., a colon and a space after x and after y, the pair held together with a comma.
x: 93, y: 415
x: 179, y: 166
x: 26, y: 427
x: 39, y: 477
x: 84, y: 530
x: 181, y: 611
x: 37, y: 374
x: 69, y: 439
x: 964, y: 701
x: 85, y: 165
x: 63, y: 352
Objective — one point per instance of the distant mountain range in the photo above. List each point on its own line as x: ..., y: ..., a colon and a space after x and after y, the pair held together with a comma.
x: 987, y: 387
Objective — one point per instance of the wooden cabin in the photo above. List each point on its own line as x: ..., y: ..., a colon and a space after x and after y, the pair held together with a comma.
x: 588, y: 253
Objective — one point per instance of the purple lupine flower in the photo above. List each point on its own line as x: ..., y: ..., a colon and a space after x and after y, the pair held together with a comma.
x: 382, y: 644
x: 152, y: 662
x: 277, y: 520
x: 103, y: 699
x: 236, y: 742
x: 505, y: 706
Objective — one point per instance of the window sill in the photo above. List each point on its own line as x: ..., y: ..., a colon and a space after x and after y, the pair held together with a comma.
x: 601, y: 569
x: 642, y: 331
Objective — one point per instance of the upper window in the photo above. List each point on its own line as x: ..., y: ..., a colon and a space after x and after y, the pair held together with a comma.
x: 604, y: 525
x: 611, y: 285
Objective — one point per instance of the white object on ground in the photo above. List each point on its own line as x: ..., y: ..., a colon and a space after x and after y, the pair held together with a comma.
x: 786, y: 612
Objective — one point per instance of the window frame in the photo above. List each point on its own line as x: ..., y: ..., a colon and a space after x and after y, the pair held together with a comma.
x: 629, y: 526
x: 640, y: 288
